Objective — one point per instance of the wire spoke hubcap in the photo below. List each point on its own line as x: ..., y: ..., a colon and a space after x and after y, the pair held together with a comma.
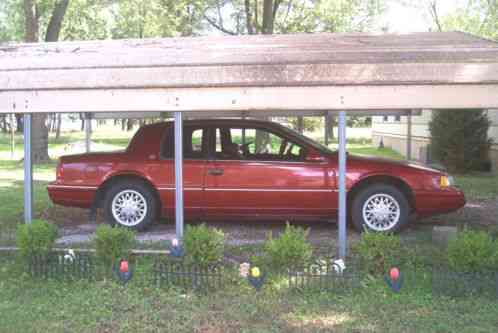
x: 129, y: 208
x: 381, y: 212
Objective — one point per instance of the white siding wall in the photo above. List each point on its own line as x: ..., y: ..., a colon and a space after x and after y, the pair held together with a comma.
x: 393, y: 133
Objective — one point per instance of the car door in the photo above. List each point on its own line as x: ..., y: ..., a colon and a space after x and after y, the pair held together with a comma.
x: 247, y: 175
x: 194, y: 163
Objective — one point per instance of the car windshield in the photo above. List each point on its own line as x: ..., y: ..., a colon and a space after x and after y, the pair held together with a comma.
x: 307, y: 140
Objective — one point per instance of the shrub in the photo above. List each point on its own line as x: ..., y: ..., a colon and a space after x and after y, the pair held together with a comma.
x: 459, y: 139
x: 290, y: 249
x: 203, y: 245
x: 472, y: 251
x: 36, y: 238
x: 113, y: 243
x: 379, y: 252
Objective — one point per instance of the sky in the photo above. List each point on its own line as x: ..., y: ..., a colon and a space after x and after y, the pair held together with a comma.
x: 402, y: 19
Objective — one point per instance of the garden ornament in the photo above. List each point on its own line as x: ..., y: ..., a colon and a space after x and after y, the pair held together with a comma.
x: 339, y: 266
x: 394, y: 280
x: 256, y: 279
x: 176, y: 249
x: 124, y: 273
x: 68, y: 258
x: 244, y: 269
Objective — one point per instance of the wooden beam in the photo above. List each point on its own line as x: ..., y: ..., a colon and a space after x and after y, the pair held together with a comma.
x: 251, y: 76
x: 253, y: 99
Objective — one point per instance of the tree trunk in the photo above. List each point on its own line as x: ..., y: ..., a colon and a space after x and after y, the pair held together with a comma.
x: 39, y: 127
x: 19, y: 123
x: 30, y: 21
x: 58, y: 128
x: 40, y: 138
x: 129, y: 124
x: 55, y: 24
x: 268, y: 17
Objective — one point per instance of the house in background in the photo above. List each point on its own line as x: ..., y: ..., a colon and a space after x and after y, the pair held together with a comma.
x: 393, y: 130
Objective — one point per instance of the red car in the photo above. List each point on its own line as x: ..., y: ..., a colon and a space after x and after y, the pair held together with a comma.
x: 248, y: 169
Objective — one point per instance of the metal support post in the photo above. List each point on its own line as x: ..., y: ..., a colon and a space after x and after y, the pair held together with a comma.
x: 28, y: 170
x: 342, y: 186
x: 179, y: 175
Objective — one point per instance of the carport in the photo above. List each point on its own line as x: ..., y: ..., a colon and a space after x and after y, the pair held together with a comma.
x: 249, y: 76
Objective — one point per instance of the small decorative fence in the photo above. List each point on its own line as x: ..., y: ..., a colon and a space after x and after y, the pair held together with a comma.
x: 324, y: 275
x: 184, y: 275
x: 460, y: 284
x: 56, y: 265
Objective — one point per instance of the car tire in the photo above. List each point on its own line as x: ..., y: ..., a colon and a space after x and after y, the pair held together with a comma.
x: 130, y: 204
x: 380, y: 208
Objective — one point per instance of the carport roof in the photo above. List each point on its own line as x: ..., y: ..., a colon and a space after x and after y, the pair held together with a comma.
x: 273, y: 60
x: 263, y: 72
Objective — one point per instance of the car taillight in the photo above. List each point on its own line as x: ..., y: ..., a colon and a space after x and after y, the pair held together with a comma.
x: 59, y: 170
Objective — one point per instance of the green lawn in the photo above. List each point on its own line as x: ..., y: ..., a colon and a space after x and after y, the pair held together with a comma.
x: 479, y: 186
x: 29, y: 305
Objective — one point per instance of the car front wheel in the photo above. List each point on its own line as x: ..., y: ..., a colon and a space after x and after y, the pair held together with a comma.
x: 381, y: 208
x: 130, y: 204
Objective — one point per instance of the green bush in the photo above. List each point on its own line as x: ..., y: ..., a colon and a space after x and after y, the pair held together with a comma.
x: 290, y: 249
x: 378, y: 252
x: 459, y: 139
x: 203, y: 245
x: 113, y: 243
x: 37, y: 238
x: 472, y: 251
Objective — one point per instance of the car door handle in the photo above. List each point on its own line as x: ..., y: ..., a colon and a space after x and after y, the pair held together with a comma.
x: 215, y: 172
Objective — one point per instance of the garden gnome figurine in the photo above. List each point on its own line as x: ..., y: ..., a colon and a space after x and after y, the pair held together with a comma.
x: 394, y: 280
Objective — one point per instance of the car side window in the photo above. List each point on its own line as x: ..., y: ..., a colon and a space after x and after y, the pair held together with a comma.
x: 194, y: 143
x: 249, y: 143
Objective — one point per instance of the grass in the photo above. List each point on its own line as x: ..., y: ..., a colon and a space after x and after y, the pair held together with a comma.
x: 29, y: 305
x: 377, y: 152
x: 479, y: 186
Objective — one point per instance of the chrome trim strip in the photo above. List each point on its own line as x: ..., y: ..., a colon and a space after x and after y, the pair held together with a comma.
x: 185, y: 188
x: 247, y: 189
x: 268, y: 190
x: 73, y: 187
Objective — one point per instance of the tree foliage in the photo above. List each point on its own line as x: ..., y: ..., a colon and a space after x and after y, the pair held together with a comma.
x: 459, y: 139
x: 478, y: 17
x: 287, y: 16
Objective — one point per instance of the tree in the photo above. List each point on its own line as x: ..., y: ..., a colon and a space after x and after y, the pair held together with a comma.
x: 478, y: 17
x: 459, y: 139
x: 236, y: 17
x: 32, y: 16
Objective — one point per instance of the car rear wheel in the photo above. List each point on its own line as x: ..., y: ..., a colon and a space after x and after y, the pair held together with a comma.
x: 130, y: 204
x: 381, y: 208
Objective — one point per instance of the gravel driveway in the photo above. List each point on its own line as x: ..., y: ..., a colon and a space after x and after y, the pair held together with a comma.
x: 76, y: 229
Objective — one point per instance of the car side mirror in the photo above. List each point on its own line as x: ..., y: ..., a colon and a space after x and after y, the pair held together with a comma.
x: 314, y: 156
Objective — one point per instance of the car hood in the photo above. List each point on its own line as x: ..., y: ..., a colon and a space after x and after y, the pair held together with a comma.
x: 387, y: 161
